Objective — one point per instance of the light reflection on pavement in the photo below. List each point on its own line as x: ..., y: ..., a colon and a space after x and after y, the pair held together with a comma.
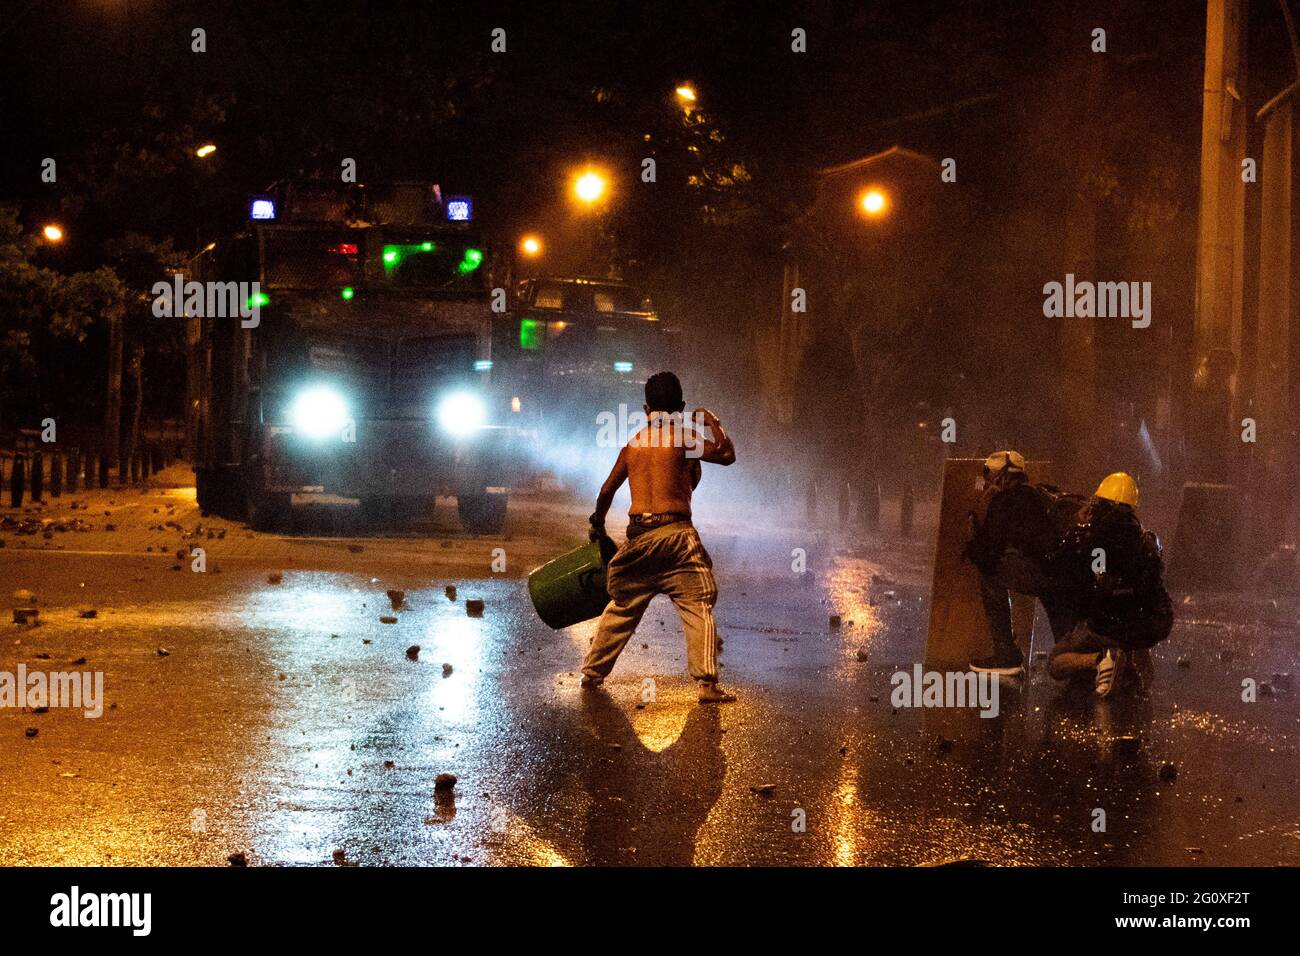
x: 293, y: 722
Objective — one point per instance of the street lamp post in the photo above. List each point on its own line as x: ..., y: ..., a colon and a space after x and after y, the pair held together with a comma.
x: 591, y: 189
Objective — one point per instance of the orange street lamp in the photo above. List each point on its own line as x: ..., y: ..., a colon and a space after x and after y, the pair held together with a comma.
x: 531, y: 246
x: 873, y: 202
x: 206, y: 150
x: 590, y: 186
x: 52, y: 233
x: 686, y: 93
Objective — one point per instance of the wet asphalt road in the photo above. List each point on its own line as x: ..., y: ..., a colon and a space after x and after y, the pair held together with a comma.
x: 287, y: 722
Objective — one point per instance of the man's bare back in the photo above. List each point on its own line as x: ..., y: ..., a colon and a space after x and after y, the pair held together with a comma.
x: 659, y: 473
x: 661, y: 463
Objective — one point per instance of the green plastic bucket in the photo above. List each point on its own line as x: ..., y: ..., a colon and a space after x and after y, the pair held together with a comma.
x: 571, y: 588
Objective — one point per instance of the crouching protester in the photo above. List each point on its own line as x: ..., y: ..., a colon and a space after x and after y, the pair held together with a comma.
x: 1016, y: 530
x: 1114, y: 564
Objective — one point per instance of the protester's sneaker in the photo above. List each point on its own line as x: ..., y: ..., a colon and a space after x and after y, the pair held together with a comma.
x: 1109, y: 667
x: 591, y: 682
x: 711, y: 693
x: 1006, y: 663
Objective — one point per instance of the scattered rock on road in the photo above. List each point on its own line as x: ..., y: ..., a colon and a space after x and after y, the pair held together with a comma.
x: 413, y: 652
x: 237, y: 859
x: 474, y: 607
x: 1127, y: 744
x: 275, y: 577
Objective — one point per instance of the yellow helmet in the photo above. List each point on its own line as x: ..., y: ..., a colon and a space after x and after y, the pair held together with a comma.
x: 1119, y: 487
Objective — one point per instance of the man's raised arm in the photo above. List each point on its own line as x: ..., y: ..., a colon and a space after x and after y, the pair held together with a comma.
x: 719, y: 450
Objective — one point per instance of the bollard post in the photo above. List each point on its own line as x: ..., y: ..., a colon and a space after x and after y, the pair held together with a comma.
x: 135, y: 468
x: 123, y: 468
x: 869, y: 506
x: 74, y: 470
x: 103, y: 469
x: 906, y: 510
x: 37, y: 480
x: 151, y: 457
x: 18, y: 481
x: 56, y: 475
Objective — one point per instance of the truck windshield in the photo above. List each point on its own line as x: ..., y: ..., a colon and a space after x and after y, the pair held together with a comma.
x: 312, y: 258
x: 443, y: 263
x: 587, y: 297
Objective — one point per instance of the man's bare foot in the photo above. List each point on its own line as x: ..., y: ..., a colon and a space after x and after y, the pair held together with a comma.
x: 711, y: 693
x: 591, y: 682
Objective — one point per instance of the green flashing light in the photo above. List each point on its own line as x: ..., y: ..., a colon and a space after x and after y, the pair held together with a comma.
x: 530, y: 334
x: 473, y: 259
x: 257, y: 300
x: 426, y: 246
x: 347, y: 293
x: 391, y: 255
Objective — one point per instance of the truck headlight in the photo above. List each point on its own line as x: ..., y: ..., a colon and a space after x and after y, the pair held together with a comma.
x: 461, y: 413
x: 318, y: 412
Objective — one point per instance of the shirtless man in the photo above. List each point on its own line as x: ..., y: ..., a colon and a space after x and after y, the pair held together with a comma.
x: 663, y: 553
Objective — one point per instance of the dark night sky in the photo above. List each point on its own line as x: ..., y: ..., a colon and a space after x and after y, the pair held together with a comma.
x: 411, y: 90
x: 310, y: 82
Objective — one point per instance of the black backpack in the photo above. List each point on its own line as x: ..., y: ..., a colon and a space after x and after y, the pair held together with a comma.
x: 1063, y: 508
x: 1127, y: 603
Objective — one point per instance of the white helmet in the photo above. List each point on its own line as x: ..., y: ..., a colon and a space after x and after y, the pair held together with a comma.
x: 1001, y: 465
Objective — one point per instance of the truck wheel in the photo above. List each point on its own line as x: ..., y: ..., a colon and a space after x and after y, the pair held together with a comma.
x: 377, y: 511
x: 203, y: 491
x: 269, y: 512
x: 483, y: 512
x: 413, y: 509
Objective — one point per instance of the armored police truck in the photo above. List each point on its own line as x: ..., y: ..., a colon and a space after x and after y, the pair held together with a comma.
x: 365, y: 371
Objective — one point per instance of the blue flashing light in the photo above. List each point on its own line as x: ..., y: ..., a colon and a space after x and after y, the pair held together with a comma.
x: 262, y: 209
x: 460, y: 208
x: 482, y: 365
x: 622, y: 366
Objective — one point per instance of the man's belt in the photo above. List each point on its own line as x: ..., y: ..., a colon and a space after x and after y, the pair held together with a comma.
x: 654, y: 519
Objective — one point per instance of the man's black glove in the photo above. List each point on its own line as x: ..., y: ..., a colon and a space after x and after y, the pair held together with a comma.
x: 597, y: 532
